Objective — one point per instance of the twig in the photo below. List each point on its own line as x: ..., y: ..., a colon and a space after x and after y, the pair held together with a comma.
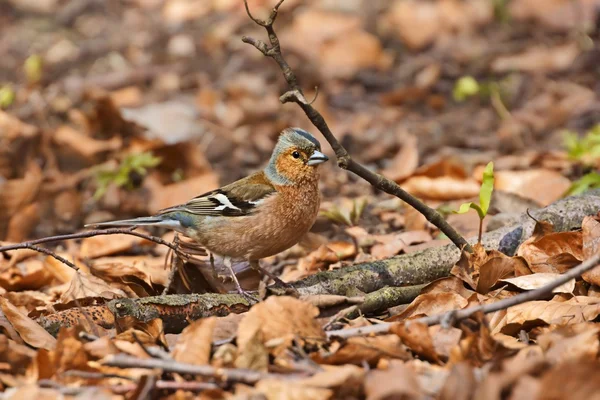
x: 459, y: 315
x: 51, y: 254
x: 31, y: 244
x: 344, y: 160
x: 224, y: 374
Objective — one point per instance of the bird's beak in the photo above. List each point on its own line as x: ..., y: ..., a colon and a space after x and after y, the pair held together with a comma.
x: 317, y: 158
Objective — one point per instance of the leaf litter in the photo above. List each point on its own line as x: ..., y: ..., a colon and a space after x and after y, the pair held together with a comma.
x: 386, y: 75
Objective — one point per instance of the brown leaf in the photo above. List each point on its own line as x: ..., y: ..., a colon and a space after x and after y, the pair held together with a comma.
x: 535, y: 281
x: 542, y: 185
x: 398, y: 382
x: 32, y: 333
x: 539, y: 253
x: 575, y: 310
x: 194, y: 343
x: 346, y: 378
x: 443, y: 188
x: 538, y: 59
x: 416, y: 336
x: 432, y: 304
x: 83, y: 286
x: 253, y: 355
x: 106, y: 245
x: 460, y: 383
x: 574, y: 380
x: 391, y: 244
x: 495, y: 269
x: 272, y: 389
x: 405, y: 162
x: 577, y: 342
x: 591, y: 245
x: 358, y: 350
x: 281, y: 318
x: 83, y: 144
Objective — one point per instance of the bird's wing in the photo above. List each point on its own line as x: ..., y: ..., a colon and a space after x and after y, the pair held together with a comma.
x: 236, y: 199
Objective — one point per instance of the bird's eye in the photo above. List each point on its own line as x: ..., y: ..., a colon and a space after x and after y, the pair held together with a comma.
x: 295, y: 154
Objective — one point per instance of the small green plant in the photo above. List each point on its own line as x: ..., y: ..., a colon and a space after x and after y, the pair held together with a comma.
x: 34, y: 66
x: 122, y: 176
x: 467, y: 87
x: 501, y: 11
x: 585, y: 183
x: 7, y: 96
x: 585, y: 149
x: 348, y: 214
x: 485, y: 198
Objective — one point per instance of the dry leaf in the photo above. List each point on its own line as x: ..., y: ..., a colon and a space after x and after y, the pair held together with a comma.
x: 573, y: 311
x: 539, y: 253
x: 535, y: 281
x: 272, y: 389
x: 405, y: 162
x: 398, y: 382
x: 32, y: 333
x: 106, y: 245
x: 359, y: 350
x: 443, y: 188
x: 577, y: 342
x: 416, y: 336
x: 282, y: 318
x: 590, y: 230
x: 83, y: 144
x: 542, y: 185
x: 432, y: 304
x: 194, y: 343
x: 539, y: 59
x: 84, y: 286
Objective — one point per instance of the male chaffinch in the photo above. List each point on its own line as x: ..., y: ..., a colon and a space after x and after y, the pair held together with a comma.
x: 257, y: 216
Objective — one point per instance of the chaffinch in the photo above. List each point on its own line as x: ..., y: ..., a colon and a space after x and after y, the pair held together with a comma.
x: 257, y: 216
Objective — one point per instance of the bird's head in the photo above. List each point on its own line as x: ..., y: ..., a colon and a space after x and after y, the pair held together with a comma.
x: 296, y: 157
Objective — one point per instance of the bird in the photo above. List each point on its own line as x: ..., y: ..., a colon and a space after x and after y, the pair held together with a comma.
x: 257, y: 216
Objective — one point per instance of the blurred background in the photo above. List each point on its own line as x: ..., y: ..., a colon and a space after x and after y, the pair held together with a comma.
x: 115, y: 108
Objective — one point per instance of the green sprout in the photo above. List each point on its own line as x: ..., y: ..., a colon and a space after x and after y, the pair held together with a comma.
x: 33, y: 67
x: 122, y: 176
x: 465, y: 87
x: 585, y: 183
x: 586, y: 149
x: 7, y: 96
x: 485, y: 198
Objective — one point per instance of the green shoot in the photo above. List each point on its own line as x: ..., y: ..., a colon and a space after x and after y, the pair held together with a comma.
x: 465, y: 87
x: 485, y: 197
x: 122, y: 177
x: 33, y: 67
x: 585, y: 183
x: 586, y: 149
x: 7, y: 96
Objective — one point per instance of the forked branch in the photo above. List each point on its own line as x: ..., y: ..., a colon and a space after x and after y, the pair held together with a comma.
x: 295, y: 94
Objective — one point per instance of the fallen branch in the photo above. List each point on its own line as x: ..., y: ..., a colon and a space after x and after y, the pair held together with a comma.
x: 247, y: 376
x: 451, y: 317
x: 344, y: 160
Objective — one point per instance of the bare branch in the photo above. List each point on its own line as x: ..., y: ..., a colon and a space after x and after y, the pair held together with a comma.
x: 454, y: 316
x: 32, y: 244
x: 51, y: 254
x: 344, y: 160
x: 225, y: 374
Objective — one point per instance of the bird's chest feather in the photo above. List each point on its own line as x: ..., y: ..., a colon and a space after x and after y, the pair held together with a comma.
x: 278, y: 223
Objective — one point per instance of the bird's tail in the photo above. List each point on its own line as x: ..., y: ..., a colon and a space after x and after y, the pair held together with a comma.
x: 158, y: 220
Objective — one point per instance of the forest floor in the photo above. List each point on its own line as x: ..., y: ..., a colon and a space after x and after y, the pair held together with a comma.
x: 113, y: 109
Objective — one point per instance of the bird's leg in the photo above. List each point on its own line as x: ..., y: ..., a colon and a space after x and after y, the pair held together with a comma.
x: 227, y: 262
x: 212, y: 264
x: 255, y: 264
